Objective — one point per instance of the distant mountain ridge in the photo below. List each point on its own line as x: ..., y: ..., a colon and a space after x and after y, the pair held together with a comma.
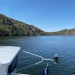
x: 11, y: 27
x: 63, y: 32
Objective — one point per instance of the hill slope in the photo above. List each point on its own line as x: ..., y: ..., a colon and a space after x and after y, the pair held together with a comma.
x: 11, y: 27
x: 63, y: 32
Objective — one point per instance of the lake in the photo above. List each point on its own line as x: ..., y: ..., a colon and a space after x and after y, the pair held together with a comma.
x: 45, y: 46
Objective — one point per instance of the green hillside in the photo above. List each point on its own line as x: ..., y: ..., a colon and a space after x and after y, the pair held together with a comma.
x: 11, y: 27
x: 62, y: 32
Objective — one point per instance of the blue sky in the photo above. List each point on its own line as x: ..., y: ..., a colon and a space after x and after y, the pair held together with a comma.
x: 48, y: 15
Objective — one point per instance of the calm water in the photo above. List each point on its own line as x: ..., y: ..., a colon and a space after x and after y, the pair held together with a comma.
x: 44, y: 46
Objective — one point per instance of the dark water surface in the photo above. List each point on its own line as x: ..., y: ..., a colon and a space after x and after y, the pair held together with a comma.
x: 44, y: 46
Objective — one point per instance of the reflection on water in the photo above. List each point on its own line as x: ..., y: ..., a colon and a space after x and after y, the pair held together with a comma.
x: 46, y: 46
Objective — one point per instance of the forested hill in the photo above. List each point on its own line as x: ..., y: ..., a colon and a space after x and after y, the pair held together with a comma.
x: 11, y: 27
x: 63, y: 32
